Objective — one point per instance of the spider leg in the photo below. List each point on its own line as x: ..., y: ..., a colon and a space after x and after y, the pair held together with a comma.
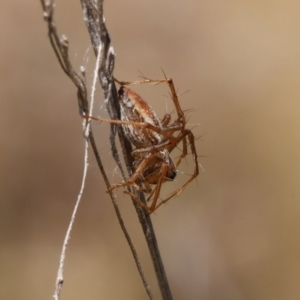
x: 182, y: 137
x: 164, y: 169
x: 194, y: 175
x: 138, y: 200
x: 155, y: 192
x: 180, y: 113
x: 171, y: 139
x: 184, y: 151
x: 138, y: 172
x: 145, y: 80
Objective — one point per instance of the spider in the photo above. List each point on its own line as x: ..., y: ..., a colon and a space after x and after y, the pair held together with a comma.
x: 154, y: 139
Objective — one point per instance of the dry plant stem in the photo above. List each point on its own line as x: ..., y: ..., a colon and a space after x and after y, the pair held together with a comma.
x: 60, y: 47
x: 93, y: 15
x: 60, y: 273
x: 94, y: 19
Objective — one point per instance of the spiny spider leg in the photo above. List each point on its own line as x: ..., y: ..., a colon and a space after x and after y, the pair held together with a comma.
x: 194, y: 175
x: 163, y: 132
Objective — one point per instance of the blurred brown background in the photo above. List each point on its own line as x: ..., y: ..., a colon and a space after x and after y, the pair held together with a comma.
x: 234, y: 234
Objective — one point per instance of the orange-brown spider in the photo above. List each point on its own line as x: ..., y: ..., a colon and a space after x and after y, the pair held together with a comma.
x: 154, y: 140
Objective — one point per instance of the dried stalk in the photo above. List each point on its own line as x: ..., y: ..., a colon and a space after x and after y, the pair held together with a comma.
x: 100, y: 39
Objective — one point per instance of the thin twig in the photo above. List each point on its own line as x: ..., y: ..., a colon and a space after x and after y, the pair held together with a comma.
x: 60, y: 273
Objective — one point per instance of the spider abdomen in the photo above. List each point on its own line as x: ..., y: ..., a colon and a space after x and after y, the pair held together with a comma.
x: 135, y: 109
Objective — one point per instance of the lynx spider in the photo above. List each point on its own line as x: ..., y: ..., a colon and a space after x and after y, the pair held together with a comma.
x: 154, y: 140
